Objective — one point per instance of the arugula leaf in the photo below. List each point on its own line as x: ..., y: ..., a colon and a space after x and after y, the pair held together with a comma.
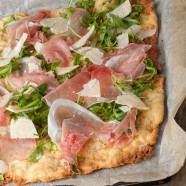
x: 12, y: 18
x: 6, y: 71
x: 107, y: 30
x: 1, y: 177
x: 74, y: 170
x: 88, y: 62
x: 140, y: 83
x: 63, y: 15
x: 26, y: 51
x: 108, y: 111
x: 69, y: 9
x: 77, y: 59
x: 38, y: 152
x: 117, y: 3
x: 48, y: 67
x: 47, y: 31
x: 85, y: 4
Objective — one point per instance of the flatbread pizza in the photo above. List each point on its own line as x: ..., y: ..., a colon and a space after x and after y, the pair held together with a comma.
x: 80, y: 89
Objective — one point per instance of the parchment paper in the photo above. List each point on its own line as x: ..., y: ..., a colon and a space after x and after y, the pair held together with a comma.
x: 170, y: 151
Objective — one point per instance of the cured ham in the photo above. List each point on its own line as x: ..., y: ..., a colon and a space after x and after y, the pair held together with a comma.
x: 112, y: 132
x: 69, y: 88
x: 129, y: 60
x: 29, y: 25
x: 70, y: 126
x: 4, y: 118
x: 104, y: 75
x: 75, y: 26
x: 12, y: 150
x: 33, y: 73
x: 56, y: 49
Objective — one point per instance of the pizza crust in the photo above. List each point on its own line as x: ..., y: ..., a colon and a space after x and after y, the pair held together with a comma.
x: 98, y: 154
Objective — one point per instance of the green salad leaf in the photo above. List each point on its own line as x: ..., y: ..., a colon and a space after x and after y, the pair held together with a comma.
x: 12, y: 18
x: 6, y: 70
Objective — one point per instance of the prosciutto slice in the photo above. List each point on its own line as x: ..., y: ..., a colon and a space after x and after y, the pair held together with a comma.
x: 29, y: 25
x: 76, y: 25
x: 56, y: 49
x: 70, y: 126
x: 129, y: 60
x: 4, y: 118
x: 112, y: 132
x: 31, y: 71
x: 69, y: 88
x: 12, y: 150
x: 104, y: 75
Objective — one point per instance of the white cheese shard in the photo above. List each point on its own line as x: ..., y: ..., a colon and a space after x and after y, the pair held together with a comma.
x: 98, y: 100
x: 95, y: 56
x: 58, y: 25
x: 91, y: 89
x: 3, y: 90
x: 122, y: 40
x: 125, y: 108
x: 4, y: 131
x: 84, y: 39
x: 32, y: 67
x: 7, y: 53
x: 136, y: 29
x: 22, y: 128
x: 3, y: 167
x: 4, y: 62
x: 38, y: 47
x: 123, y: 10
x: 64, y: 70
x: 144, y: 34
x: 16, y: 109
x: 131, y: 100
x: 83, y: 50
x: 5, y: 99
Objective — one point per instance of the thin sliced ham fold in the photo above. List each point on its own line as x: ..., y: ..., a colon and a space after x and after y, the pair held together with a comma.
x: 71, y: 87
x: 129, y: 60
x: 31, y: 71
x: 12, y: 150
x: 70, y: 126
x: 56, y: 49
x: 76, y: 26
x: 29, y: 25
x: 112, y: 132
x: 4, y: 118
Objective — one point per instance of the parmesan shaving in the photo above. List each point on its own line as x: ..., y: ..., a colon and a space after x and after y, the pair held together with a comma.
x: 4, y: 62
x: 131, y: 100
x: 125, y: 108
x: 38, y: 47
x: 91, y: 89
x: 16, y: 109
x: 22, y: 128
x: 123, y: 10
x: 122, y: 40
x: 5, y: 99
x: 84, y: 39
x: 64, y: 70
x: 16, y: 50
x: 58, y: 25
